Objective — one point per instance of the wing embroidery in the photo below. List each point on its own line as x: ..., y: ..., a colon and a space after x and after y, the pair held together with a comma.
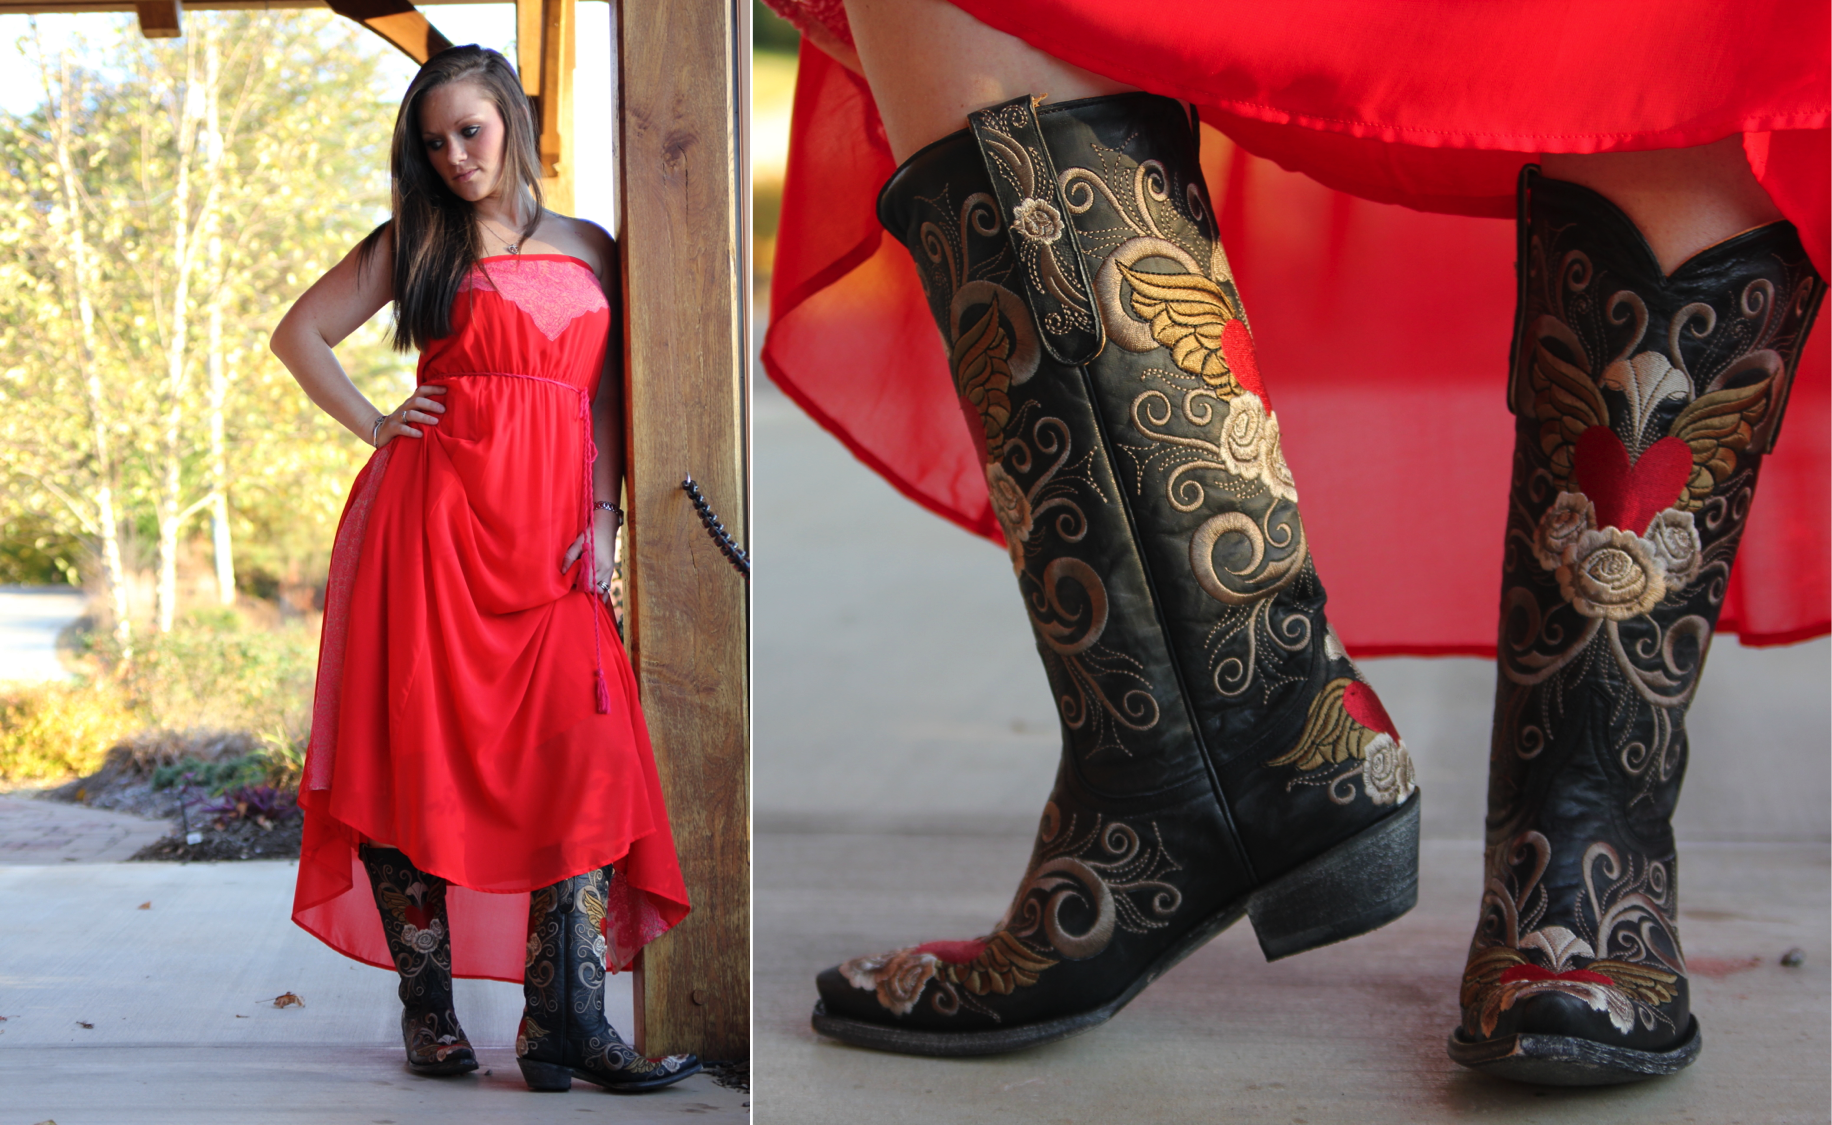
x: 1187, y: 314
x: 1640, y: 982
x: 981, y: 361
x: 1330, y: 735
x: 1565, y: 403
x: 1718, y: 427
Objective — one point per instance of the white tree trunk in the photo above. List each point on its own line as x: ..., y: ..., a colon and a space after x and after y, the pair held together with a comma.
x: 105, y: 524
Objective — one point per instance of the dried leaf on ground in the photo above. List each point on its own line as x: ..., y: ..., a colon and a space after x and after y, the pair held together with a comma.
x: 287, y: 1000
x: 85, y: 1023
x: 147, y: 905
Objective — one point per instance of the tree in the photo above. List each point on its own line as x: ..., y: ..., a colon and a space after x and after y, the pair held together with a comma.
x: 167, y: 186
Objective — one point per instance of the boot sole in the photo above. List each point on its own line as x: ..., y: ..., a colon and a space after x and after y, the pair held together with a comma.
x: 1561, y: 1060
x: 553, y: 1078
x: 446, y: 1069
x: 1357, y: 886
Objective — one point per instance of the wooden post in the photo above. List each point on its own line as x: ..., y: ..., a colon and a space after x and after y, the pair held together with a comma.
x: 546, y: 51
x: 681, y: 64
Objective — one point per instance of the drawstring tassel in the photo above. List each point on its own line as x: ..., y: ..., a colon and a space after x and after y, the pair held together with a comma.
x: 604, y: 692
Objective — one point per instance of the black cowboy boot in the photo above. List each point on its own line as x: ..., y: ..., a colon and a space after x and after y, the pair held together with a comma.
x: 1644, y: 404
x: 1221, y: 754
x: 564, y: 1034
x: 412, y: 904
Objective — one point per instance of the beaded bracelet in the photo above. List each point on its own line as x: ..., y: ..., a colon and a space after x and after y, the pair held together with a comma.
x: 607, y: 506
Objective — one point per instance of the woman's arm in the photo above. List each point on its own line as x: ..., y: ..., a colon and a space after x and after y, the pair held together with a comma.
x: 335, y: 305
x: 607, y: 410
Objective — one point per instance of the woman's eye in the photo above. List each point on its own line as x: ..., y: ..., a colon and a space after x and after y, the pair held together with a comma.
x: 471, y: 130
x: 435, y: 145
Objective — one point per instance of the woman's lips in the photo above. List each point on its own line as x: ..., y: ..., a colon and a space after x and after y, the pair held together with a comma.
x: 462, y: 177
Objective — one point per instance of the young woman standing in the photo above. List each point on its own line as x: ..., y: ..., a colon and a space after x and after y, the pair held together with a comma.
x: 478, y: 754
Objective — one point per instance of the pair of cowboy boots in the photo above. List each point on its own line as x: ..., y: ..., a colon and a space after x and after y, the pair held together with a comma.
x: 1222, y: 756
x: 563, y: 1032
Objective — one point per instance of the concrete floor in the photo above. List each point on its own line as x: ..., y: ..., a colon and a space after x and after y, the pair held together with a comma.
x: 183, y: 1029
x: 905, y: 740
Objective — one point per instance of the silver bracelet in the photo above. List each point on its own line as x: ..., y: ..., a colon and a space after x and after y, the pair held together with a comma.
x: 607, y: 506
x: 375, y: 429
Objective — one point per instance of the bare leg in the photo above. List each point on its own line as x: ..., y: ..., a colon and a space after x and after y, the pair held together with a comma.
x: 930, y: 65
x: 1683, y: 199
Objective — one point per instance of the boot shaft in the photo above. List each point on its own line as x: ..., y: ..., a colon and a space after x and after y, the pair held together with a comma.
x: 1644, y: 403
x: 1103, y: 362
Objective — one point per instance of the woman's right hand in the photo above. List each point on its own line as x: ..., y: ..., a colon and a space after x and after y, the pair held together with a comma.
x: 417, y: 410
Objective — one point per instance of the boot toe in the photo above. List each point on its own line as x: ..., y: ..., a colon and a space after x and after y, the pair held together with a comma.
x: 840, y: 997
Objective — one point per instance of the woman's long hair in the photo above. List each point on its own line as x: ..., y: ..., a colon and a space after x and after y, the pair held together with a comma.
x: 436, y: 239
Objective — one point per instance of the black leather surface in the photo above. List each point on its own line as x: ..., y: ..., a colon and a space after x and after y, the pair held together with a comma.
x: 1155, y: 537
x: 1643, y: 403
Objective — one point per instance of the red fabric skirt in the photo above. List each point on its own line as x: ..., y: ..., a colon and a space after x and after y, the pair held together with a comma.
x: 1363, y: 160
x: 475, y: 708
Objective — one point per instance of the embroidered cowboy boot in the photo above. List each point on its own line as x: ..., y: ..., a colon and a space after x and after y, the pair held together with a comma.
x: 563, y: 1033
x: 412, y: 904
x: 1221, y: 754
x: 1643, y: 405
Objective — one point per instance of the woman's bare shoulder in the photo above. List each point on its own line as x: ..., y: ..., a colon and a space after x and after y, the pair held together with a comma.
x: 583, y: 239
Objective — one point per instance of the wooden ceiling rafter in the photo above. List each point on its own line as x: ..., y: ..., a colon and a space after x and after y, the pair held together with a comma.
x: 404, y: 27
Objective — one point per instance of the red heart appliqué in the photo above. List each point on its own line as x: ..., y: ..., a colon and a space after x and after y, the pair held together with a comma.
x: 1237, y: 349
x: 952, y: 952
x: 1532, y: 972
x: 1359, y: 700
x: 1629, y: 496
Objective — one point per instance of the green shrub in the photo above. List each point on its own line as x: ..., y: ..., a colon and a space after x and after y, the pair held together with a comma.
x: 49, y: 732
x: 213, y: 672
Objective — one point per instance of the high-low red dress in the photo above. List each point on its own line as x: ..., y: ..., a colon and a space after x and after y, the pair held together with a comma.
x: 1363, y: 175
x: 474, y: 704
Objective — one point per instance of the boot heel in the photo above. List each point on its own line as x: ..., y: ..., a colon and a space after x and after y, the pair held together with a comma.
x: 545, y: 1077
x: 1359, y: 885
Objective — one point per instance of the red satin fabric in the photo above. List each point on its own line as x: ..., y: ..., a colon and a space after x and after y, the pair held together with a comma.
x: 1365, y: 186
x: 458, y: 717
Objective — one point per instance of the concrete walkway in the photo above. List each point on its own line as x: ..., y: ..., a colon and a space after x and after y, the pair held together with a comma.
x: 31, y: 617
x: 115, y: 1013
x: 34, y: 831
x: 905, y: 741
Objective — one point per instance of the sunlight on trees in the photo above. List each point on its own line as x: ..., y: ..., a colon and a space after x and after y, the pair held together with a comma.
x: 168, y: 199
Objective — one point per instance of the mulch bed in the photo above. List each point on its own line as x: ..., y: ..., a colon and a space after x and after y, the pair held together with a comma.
x: 239, y: 839
x: 125, y: 784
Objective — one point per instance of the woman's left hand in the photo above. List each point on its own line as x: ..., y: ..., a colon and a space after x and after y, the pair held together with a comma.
x: 605, y: 526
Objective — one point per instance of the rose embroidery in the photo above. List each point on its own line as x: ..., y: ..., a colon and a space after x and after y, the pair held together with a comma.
x: 1013, y: 510
x: 1673, y: 540
x: 1611, y: 574
x: 1570, y: 516
x: 1250, y: 440
x: 1387, y: 774
x: 898, y: 978
x: 1037, y: 220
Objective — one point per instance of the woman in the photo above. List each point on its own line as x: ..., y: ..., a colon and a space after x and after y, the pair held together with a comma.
x: 478, y: 755
x: 1222, y: 756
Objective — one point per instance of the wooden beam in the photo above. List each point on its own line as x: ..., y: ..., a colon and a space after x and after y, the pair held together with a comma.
x: 397, y: 21
x: 160, y: 19
x: 681, y: 224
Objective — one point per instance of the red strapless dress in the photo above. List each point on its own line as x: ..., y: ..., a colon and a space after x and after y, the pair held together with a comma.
x: 474, y: 704
x: 1363, y: 176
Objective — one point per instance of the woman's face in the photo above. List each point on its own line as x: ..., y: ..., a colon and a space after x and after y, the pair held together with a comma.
x: 463, y: 134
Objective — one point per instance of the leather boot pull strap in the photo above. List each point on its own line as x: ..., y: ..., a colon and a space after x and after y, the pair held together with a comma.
x: 1030, y: 199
